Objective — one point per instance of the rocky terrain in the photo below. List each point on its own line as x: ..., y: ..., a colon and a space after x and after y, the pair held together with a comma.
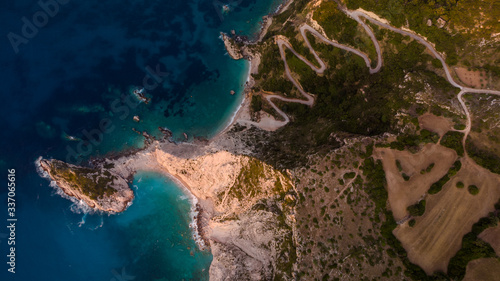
x: 315, y: 199
x: 99, y: 188
x: 247, y: 205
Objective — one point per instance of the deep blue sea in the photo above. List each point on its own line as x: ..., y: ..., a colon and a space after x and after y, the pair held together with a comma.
x: 68, y: 70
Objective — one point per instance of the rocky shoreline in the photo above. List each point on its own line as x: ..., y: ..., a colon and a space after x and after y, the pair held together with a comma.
x: 201, y: 227
x: 225, y: 190
x: 231, y: 47
x: 231, y: 42
x: 116, y: 195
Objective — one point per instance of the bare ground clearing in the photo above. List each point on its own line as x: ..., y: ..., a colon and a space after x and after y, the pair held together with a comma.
x: 449, y: 215
x: 492, y: 236
x: 476, y: 79
x: 483, y: 270
x: 437, y: 124
x: 405, y: 193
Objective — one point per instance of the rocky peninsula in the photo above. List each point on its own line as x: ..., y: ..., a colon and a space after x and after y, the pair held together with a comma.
x: 100, y: 188
x: 245, y: 207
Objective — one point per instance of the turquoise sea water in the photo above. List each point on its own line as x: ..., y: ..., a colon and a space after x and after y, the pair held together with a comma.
x: 77, y: 71
x: 159, y: 239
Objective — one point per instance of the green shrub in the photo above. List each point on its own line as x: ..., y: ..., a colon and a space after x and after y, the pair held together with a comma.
x: 256, y: 103
x: 429, y: 168
x: 375, y: 178
x: 453, y: 140
x: 437, y: 186
x: 349, y: 175
x: 484, y: 158
x: 398, y: 164
x: 436, y: 63
x: 418, y: 209
x: 473, y: 189
x: 409, y: 141
x: 460, y: 184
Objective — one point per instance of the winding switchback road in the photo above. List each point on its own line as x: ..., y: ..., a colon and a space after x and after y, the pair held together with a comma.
x: 356, y: 15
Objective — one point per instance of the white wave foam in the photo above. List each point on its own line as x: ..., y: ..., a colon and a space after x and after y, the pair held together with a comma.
x: 128, y: 205
x: 82, y: 222
x: 41, y: 172
x: 277, y: 10
x: 193, y: 213
x: 194, y: 223
x: 80, y: 207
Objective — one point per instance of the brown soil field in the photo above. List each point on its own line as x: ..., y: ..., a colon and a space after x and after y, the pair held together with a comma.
x: 405, y: 193
x: 472, y: 78
x: 436, y: 124
x: 483, y: 270
x: 449, y: 215
x: 492, y: 236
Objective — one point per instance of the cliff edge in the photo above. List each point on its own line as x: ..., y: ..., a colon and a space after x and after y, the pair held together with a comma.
x: 246, y: 206
x: 99, y: 188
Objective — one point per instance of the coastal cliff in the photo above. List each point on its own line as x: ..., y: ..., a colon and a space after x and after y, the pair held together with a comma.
x: 250, y: 225
x: 246, y: 207
x: 234, y: 183
x: 98, y: 188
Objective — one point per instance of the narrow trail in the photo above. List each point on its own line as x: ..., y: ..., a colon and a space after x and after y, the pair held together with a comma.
x: 356, y: 15
x: 349, y: 183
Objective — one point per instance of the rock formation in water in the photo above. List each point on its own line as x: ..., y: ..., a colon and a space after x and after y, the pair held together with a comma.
x: 99, y: 188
